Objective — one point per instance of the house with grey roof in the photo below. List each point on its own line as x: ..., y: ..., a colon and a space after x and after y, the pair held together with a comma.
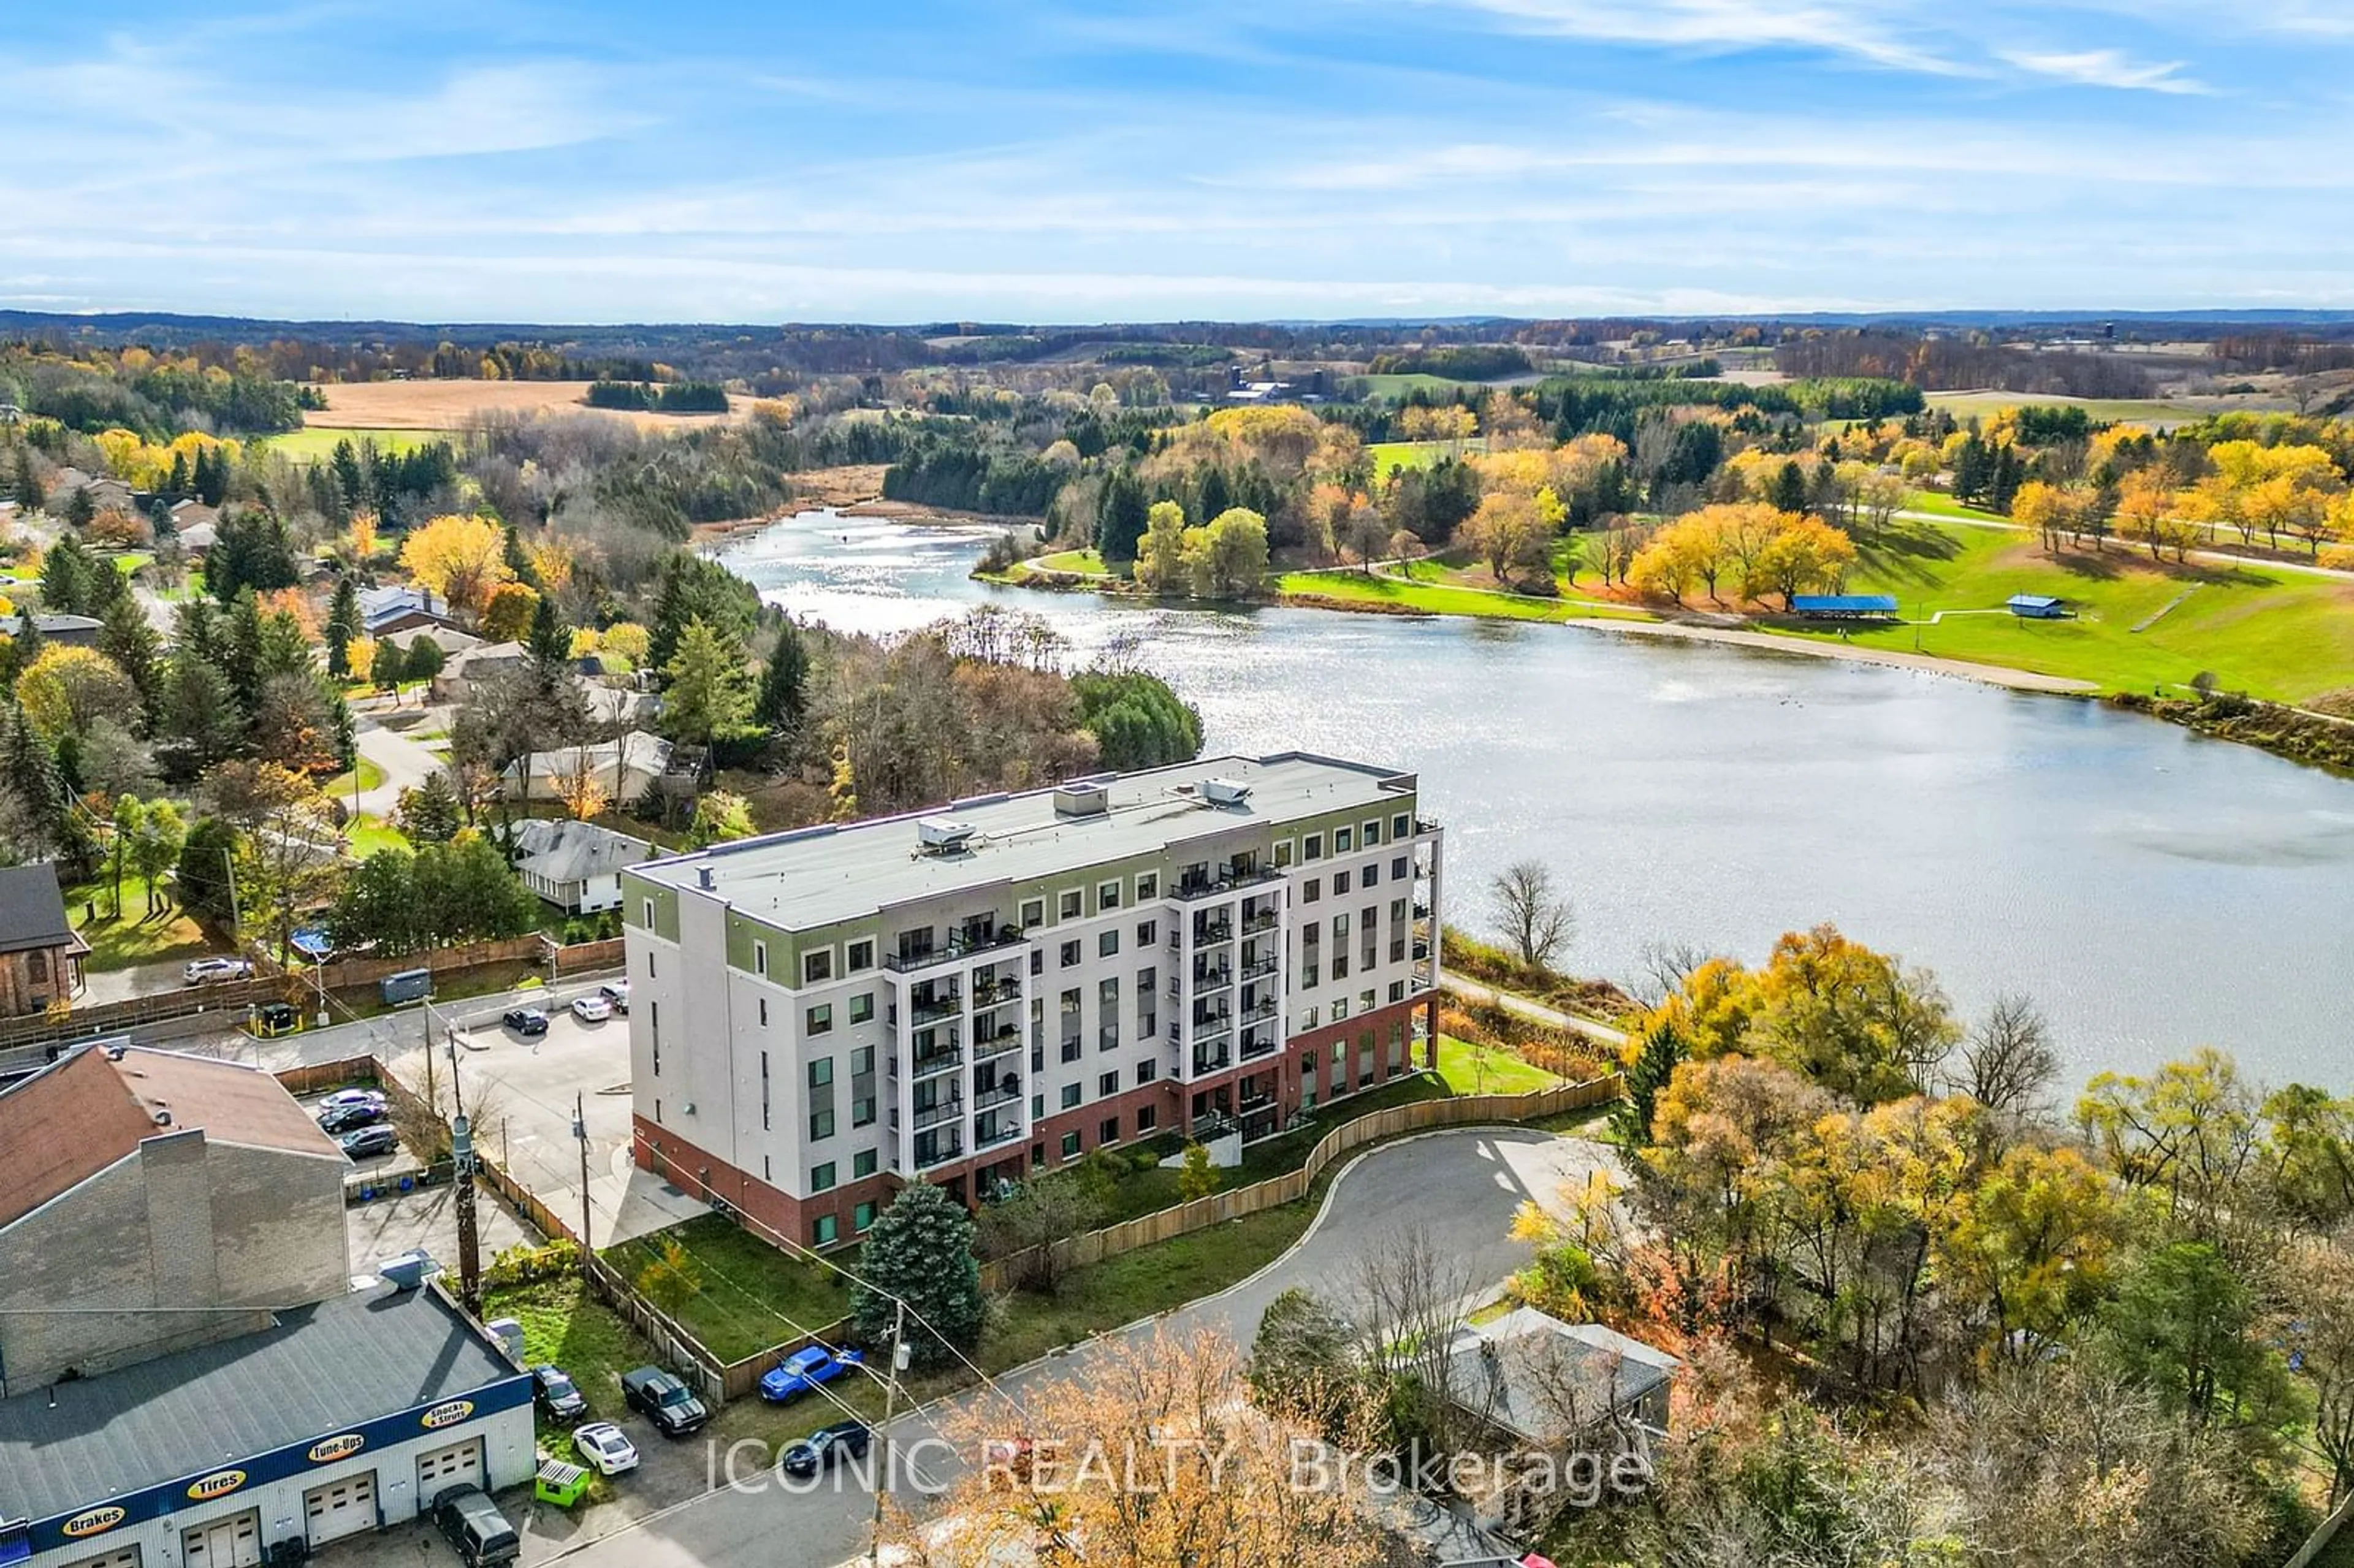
x: 385, y: 610
x: 626, y: 769
x: 40, y: 952
x: 55, y: 625
x: 576, y: 866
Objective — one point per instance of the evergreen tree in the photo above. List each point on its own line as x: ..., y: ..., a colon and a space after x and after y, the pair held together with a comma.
x: 2002, y: 484
x: 29, y: 640
x: 1215, y: 495
x: 102, y: 587
x: 518, y: 561
x: 1121, y: 519
x: 1789, y: 492
x: 205, y: 874
x: 430, y: 813
x: 24, y: 483
x: 82, y: 508
x: 919, y: 1251
x: 178, y: 483
x: 242, y: 649
x: 343, y: 625
x: 707, y: 696
x: 550, y: 641
x: 129, y: 639
x: 784, y: 696
x: 1657, y: 1051
x: 199, y: 712
x: 66, y: 573
x: 694, y: 588
x: 31, y: 776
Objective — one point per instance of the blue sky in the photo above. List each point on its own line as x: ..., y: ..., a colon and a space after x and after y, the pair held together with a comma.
x: 905, y: 160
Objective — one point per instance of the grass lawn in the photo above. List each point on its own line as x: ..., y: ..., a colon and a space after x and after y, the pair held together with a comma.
x: 1445, y: 598
x: 1137, y: 1284
x: 1472, y: 1069
x: 1397, y: 386
x: 371, y: 776
x: 121, y: 944
x: 753, y: 1295
x: 564, y: 1323
x: 314, y: 443
x: 1945, y: 505
x: 366, y: 835
x: 2108, y: 410
x: 2270, y: 632
x: 1087, y: 563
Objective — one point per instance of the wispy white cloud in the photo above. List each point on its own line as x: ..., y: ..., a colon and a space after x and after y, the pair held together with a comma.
x: 2108, y: 68
x: 1833, y: 27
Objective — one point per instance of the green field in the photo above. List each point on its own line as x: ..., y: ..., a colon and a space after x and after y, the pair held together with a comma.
x: 2273, y: 633
x: 1396, y: 386
x: 1945, y: 505
x: 2107, y: 410
x: 1445, y: 598
x: 1086, y: 563
x: 1474, y: 1069
x: 314, y: 441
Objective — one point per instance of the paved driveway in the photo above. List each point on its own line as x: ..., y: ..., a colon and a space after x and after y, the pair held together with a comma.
x: 406, y: 764
x: 1464, y: 1186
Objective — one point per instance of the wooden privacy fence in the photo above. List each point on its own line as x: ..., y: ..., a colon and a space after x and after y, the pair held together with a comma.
x: 80, y: 1023
x: 573, y: 956
x: 1183, y: 1219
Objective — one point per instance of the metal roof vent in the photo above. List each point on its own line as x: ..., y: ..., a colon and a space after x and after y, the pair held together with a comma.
x: 942, y: 835
x: 706, y: 878
x: 1224, y: 791
x: 1080, y: 798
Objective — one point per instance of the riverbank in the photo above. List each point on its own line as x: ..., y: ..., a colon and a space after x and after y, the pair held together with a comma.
x: 2313, y: 739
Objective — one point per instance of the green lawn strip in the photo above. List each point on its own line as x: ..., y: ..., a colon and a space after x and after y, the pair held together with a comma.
x: 753, y: 1295
x: 367, y: 835
x: 1084, y: 563
x: 340, y: 785
x: 564, y: 1323
x: 1138, y: 1284
x: 1444, y: 598
x: 1474, y: 1069
x: 1945, y: 505
x: 2262, y: 629
x: 313, y: 442
x: 135, y: 939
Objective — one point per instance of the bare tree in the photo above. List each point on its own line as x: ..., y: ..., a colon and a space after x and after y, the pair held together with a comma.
x: 1410, y: 1295
x: 2008, y: 1063
x: 1537, y: 923
x: 1665, y: 967
x: 1031, y: 1229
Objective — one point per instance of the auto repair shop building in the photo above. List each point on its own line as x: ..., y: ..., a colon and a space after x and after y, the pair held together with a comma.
x: 349, y: 1414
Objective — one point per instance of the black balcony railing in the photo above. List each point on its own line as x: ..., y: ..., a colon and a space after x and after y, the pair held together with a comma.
x: 938, y: 1062
x: 955, y: 952
x: 933, y: 1115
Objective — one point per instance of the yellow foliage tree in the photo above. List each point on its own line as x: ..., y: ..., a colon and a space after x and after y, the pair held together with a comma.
x: 458, y: 558
x: 69, y: 689
x: 507, y: 617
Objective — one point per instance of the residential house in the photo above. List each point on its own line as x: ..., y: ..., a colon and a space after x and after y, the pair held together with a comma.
x: 1543, y: 1390
x: 971, y: 996
x: 626, y: 767
x: 458, y: 676
x: 107, y: 494
x: 65, y: 630
x: 576, y: 866
x: 189, y: 515
x: 618, y: 708
x: 451, y: 641
x: 385, y: 610
x: 40, y: 952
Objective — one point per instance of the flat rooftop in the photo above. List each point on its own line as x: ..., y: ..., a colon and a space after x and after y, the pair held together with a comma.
x: 816, y: 876
x: 323, y: 1369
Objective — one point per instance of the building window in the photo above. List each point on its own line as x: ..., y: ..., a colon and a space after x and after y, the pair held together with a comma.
x: 764, y: 1013
x: 1072, y: 899
x: 817, y: 968
x: 760, y: 957
x: 1340, y: 841
x: 1397, y: 1046
x: 862, y: 1007
x: 1070, y: 1146
x: 1312, y: 890
x: 1146, y: 933
x: 1282, y: 853
x: 820, y: 1125
x: 1398, y: 868
x: 1339, y: 882
x: 1071, y: 1096
x: 1108, y: 1132
x: 767, y: 1172
x: 1340, y: 965
x: 862, y: 955
x: 1401, y: 826
x: 1398, y: 990
x: 650, y: 966
x: 822, y: 1177
x: 1033, y: 912
x: 1364, y: 1002
x: 1369, y: 874
x: 653, y: 1033
x: 1037, y: 1107
x: 861, y: 1217
x: 1147, y: 886
x: 820, y: 1072
x: 1107, y: 942
x: 1147, y: 1070
x: 1070, y: 954
x: 1373, y: 834
x: 861, y: 1110
x: 1107, y: 897
x: 1037, y: 960
x: 1107, y: 1085
x: 658, y: 1111
x: 862, y: 1164
x: 764, y: 1091
x: 646, y: 907
x: 1339, y: 1008
x: 821, y: 1019
x: 821, y: 1231
x: 862, y: 1061
x: 1311, y: 848
x: 1147, y: 1118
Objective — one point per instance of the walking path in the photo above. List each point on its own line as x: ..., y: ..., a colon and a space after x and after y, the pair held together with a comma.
x: 1534, y: 1011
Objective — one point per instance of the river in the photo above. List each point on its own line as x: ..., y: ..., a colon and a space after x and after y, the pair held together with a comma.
x: 2152, y: 890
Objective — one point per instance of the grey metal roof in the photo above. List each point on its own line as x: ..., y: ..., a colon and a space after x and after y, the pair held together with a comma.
x: 816, y: 876
x: 564, y: 850
x: 1540, y: 1377
x: 32, y: 909
x: 323, y: 1368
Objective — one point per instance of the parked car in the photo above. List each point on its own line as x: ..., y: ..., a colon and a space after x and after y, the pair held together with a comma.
x: 475, y: 1529
x: 617, y: 992
x: 525, y: 1021
x: 591, y: 1009
x: 824, y: 1447
x: 345, y: 1118
x: 606, y: 1446
x: 553, y: 1389
x: 342, y: 1098
x: 669, y: 1403
x: 370, y: 1142
x: 796, y: 1374
x: 204, y: 972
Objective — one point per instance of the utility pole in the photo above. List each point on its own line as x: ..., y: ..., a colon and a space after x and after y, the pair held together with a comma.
x: 462, y: 1155
x: 890, y: 1408
x: 580, y: 1131
x: 236, y: 920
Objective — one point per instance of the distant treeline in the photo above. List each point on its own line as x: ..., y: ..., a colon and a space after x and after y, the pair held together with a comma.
x: 967, y: 478
x: 1949, y: 365
x: 2282, y: 351
x: 1457, y: 362
x: 155, y: 400
x: 672, y: 397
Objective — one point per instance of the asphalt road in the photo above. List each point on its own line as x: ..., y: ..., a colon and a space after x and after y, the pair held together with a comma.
x: 1463, y: 1185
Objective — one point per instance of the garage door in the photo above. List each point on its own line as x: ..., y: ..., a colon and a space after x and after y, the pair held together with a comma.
x: 126, y: 1558
x: 459, y: 1465
x: 340, y: 1508
x: 224, y: 1543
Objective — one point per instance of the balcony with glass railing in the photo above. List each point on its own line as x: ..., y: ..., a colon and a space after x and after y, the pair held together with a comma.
x: 1005, y: 1091
x: 988, y: 1133
x: 937, y: 1149
x: 940, y: 1061
x: 995, y: 1042
x: 956, y: 951
x: 1217, y: 1059
x: 940, y: 1111
x: 1260, y: 1040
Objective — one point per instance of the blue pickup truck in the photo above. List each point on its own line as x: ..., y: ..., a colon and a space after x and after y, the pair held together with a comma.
x: 805, y: 1369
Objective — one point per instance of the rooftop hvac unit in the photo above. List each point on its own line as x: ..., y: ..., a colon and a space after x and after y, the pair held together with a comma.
x: 1224, y: 791
x: 1081, y: 801
x: 942, y: 835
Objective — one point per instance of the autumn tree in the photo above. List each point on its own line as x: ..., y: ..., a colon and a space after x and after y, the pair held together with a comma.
x: 1805, y: 556
x: 1228, y: 558
x: 507, y: 614
x: 1509, y: 535
x: 462, y: 559
x: 1535, y: 919
x: 580, y: 787
x: 1161, y: 553
x: 66, y: 690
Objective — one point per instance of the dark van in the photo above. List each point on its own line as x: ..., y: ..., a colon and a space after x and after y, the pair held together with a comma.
x: 475, y: 1529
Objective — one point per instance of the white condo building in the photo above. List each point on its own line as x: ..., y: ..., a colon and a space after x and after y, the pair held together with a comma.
x: 998, y: 987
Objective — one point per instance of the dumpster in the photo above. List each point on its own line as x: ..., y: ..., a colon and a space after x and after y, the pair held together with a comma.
x: 560, y: 1483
